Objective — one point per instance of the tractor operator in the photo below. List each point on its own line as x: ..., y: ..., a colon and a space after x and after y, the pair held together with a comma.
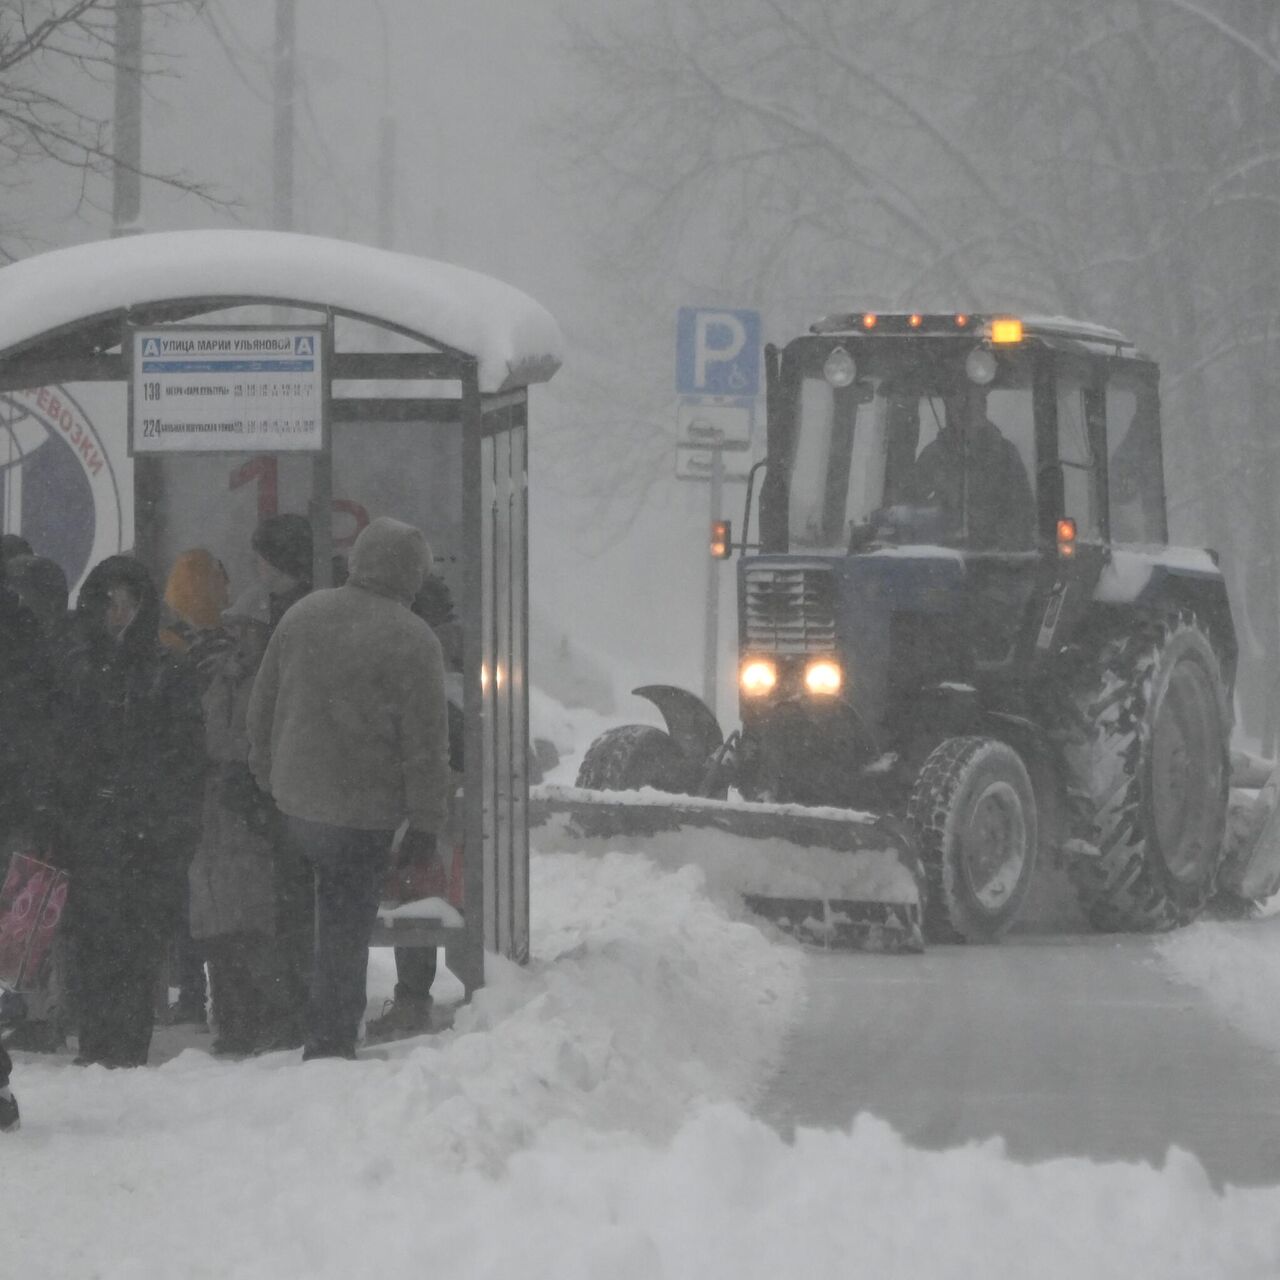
x: 975, y: 477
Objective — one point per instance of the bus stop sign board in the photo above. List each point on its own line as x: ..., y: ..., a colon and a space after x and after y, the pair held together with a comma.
x: 229, y: 389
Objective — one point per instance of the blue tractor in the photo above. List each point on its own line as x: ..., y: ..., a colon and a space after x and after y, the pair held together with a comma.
x: 963, y: 619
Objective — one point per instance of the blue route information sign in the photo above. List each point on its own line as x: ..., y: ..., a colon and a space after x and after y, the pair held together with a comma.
x: 233, y: 389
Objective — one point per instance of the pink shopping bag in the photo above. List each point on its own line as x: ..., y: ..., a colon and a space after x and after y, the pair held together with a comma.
x: 31, y: 902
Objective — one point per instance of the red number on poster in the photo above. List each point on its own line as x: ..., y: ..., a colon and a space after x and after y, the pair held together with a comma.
x: 359, y: 517
x: 265, y: 471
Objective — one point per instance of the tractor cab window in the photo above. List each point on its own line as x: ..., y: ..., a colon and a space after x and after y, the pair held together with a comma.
x: 1135, y: 484
x: 1076, y: 400
x: 913, y: 455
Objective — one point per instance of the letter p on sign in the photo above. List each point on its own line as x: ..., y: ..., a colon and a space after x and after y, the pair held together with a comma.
x: 717, y: 352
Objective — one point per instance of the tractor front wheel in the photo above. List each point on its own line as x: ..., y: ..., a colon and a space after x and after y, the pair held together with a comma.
x: 974, y: 812
x: 633, y: 756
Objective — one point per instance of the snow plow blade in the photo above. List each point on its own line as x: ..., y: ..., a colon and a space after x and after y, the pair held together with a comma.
x: 1251, y: 871
x: 834, y: 877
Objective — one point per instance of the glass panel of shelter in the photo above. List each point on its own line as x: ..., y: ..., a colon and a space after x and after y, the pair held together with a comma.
x: 505, y: 704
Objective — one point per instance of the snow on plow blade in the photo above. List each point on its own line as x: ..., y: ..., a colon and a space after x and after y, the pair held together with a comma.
x: 831, y: 876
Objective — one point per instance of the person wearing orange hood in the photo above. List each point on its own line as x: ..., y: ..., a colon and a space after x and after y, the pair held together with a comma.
x: 195, y: 595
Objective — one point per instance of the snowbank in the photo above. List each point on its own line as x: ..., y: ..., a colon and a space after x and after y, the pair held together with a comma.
x: 587, y: 1117
x: 1239, y: 966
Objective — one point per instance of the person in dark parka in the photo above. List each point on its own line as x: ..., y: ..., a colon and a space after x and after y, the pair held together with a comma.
x: 26, y: 717
x: 26, y: 691
x: 131, y: 757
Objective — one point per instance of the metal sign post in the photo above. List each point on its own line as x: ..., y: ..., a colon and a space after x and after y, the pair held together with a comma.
x: 714, y: 444
x: 718, y: 378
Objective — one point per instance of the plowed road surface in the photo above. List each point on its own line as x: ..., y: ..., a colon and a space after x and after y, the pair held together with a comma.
x: 1070, y: 1046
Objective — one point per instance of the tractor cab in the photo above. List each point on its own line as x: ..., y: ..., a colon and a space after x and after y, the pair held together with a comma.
x: 976, y: 433
x: 941, y: 491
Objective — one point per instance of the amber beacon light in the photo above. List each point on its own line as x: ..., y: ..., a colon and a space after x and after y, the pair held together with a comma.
x: 1006, y: 329
x: 721, y: 539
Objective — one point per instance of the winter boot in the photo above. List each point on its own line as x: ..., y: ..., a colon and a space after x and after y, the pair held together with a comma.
x: 403, y: 1016
x: 36, y: 1037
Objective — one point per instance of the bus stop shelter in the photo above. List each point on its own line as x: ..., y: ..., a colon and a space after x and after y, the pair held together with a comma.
x: 257, y: 372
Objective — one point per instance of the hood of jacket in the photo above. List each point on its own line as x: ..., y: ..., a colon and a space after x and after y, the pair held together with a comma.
x: 197, y: 589
x: 141, y: 636
x: 391, y: 558
x: 43, y: 587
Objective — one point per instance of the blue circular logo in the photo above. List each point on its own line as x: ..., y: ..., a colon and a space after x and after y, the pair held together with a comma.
x: 58, y: 486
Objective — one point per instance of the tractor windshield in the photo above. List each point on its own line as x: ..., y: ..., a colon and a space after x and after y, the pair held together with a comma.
x: 913, y: 452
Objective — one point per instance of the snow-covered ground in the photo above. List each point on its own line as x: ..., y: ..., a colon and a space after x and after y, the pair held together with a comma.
x: 590, y: 1116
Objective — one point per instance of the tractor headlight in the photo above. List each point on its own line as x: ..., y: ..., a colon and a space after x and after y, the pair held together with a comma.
x: 757, y: 677
x: 840, y: 368
x: 980, y: 365
x: 823, y: 677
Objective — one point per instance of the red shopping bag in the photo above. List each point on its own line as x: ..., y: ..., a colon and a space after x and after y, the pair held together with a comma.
x: 426, y: 880
x: 31, y: 902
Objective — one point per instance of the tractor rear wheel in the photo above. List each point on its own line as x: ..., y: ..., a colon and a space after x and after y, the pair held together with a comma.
x: 974, y: 811
x: 632, y: 756
x: 1148, y: 773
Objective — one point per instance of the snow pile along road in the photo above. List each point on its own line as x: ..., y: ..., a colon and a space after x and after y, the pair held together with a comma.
x: 643, y: 1000
x: 1238, y: 965
x: 585, y: 1118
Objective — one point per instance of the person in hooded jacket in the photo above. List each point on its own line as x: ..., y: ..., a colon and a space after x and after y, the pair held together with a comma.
x: 282, y: 546
x: 41, y: 586
x: 232, y: 886
x: 408, y: 1012
x: 131, y: 761
x: 348, y: 730
x: 283, y: 560
x: 26, y: 701
x: 195, y: 594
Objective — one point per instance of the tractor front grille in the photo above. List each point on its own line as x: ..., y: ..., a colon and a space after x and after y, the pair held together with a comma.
x: 790, y: 610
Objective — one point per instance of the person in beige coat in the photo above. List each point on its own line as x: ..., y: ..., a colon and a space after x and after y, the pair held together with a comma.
x: 348, y: 731
x: 230, y: 881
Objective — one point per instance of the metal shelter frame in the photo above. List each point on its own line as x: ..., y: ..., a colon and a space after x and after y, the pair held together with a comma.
x: 494, y: 604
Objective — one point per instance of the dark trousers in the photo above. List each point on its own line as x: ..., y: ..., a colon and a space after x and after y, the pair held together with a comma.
x: 295, y: 941
x: 349, y: 867
x: 117, y: 968
x: 248, y: 999
x: 415, y: 972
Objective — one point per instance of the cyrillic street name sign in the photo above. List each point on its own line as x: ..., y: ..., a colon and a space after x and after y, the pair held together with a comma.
x: 227, y: 389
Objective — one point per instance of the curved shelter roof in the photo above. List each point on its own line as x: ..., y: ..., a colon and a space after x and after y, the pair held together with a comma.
x: 71, y: 301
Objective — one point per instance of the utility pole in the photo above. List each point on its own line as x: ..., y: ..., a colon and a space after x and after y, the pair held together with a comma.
x: 386, y: 145
x: 126, y: 143
x: 282, y: 116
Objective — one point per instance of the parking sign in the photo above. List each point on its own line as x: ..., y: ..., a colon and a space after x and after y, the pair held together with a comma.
x: 717, y: 352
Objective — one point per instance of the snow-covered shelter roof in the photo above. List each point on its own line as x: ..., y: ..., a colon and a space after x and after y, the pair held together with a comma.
x: 158, y: 277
